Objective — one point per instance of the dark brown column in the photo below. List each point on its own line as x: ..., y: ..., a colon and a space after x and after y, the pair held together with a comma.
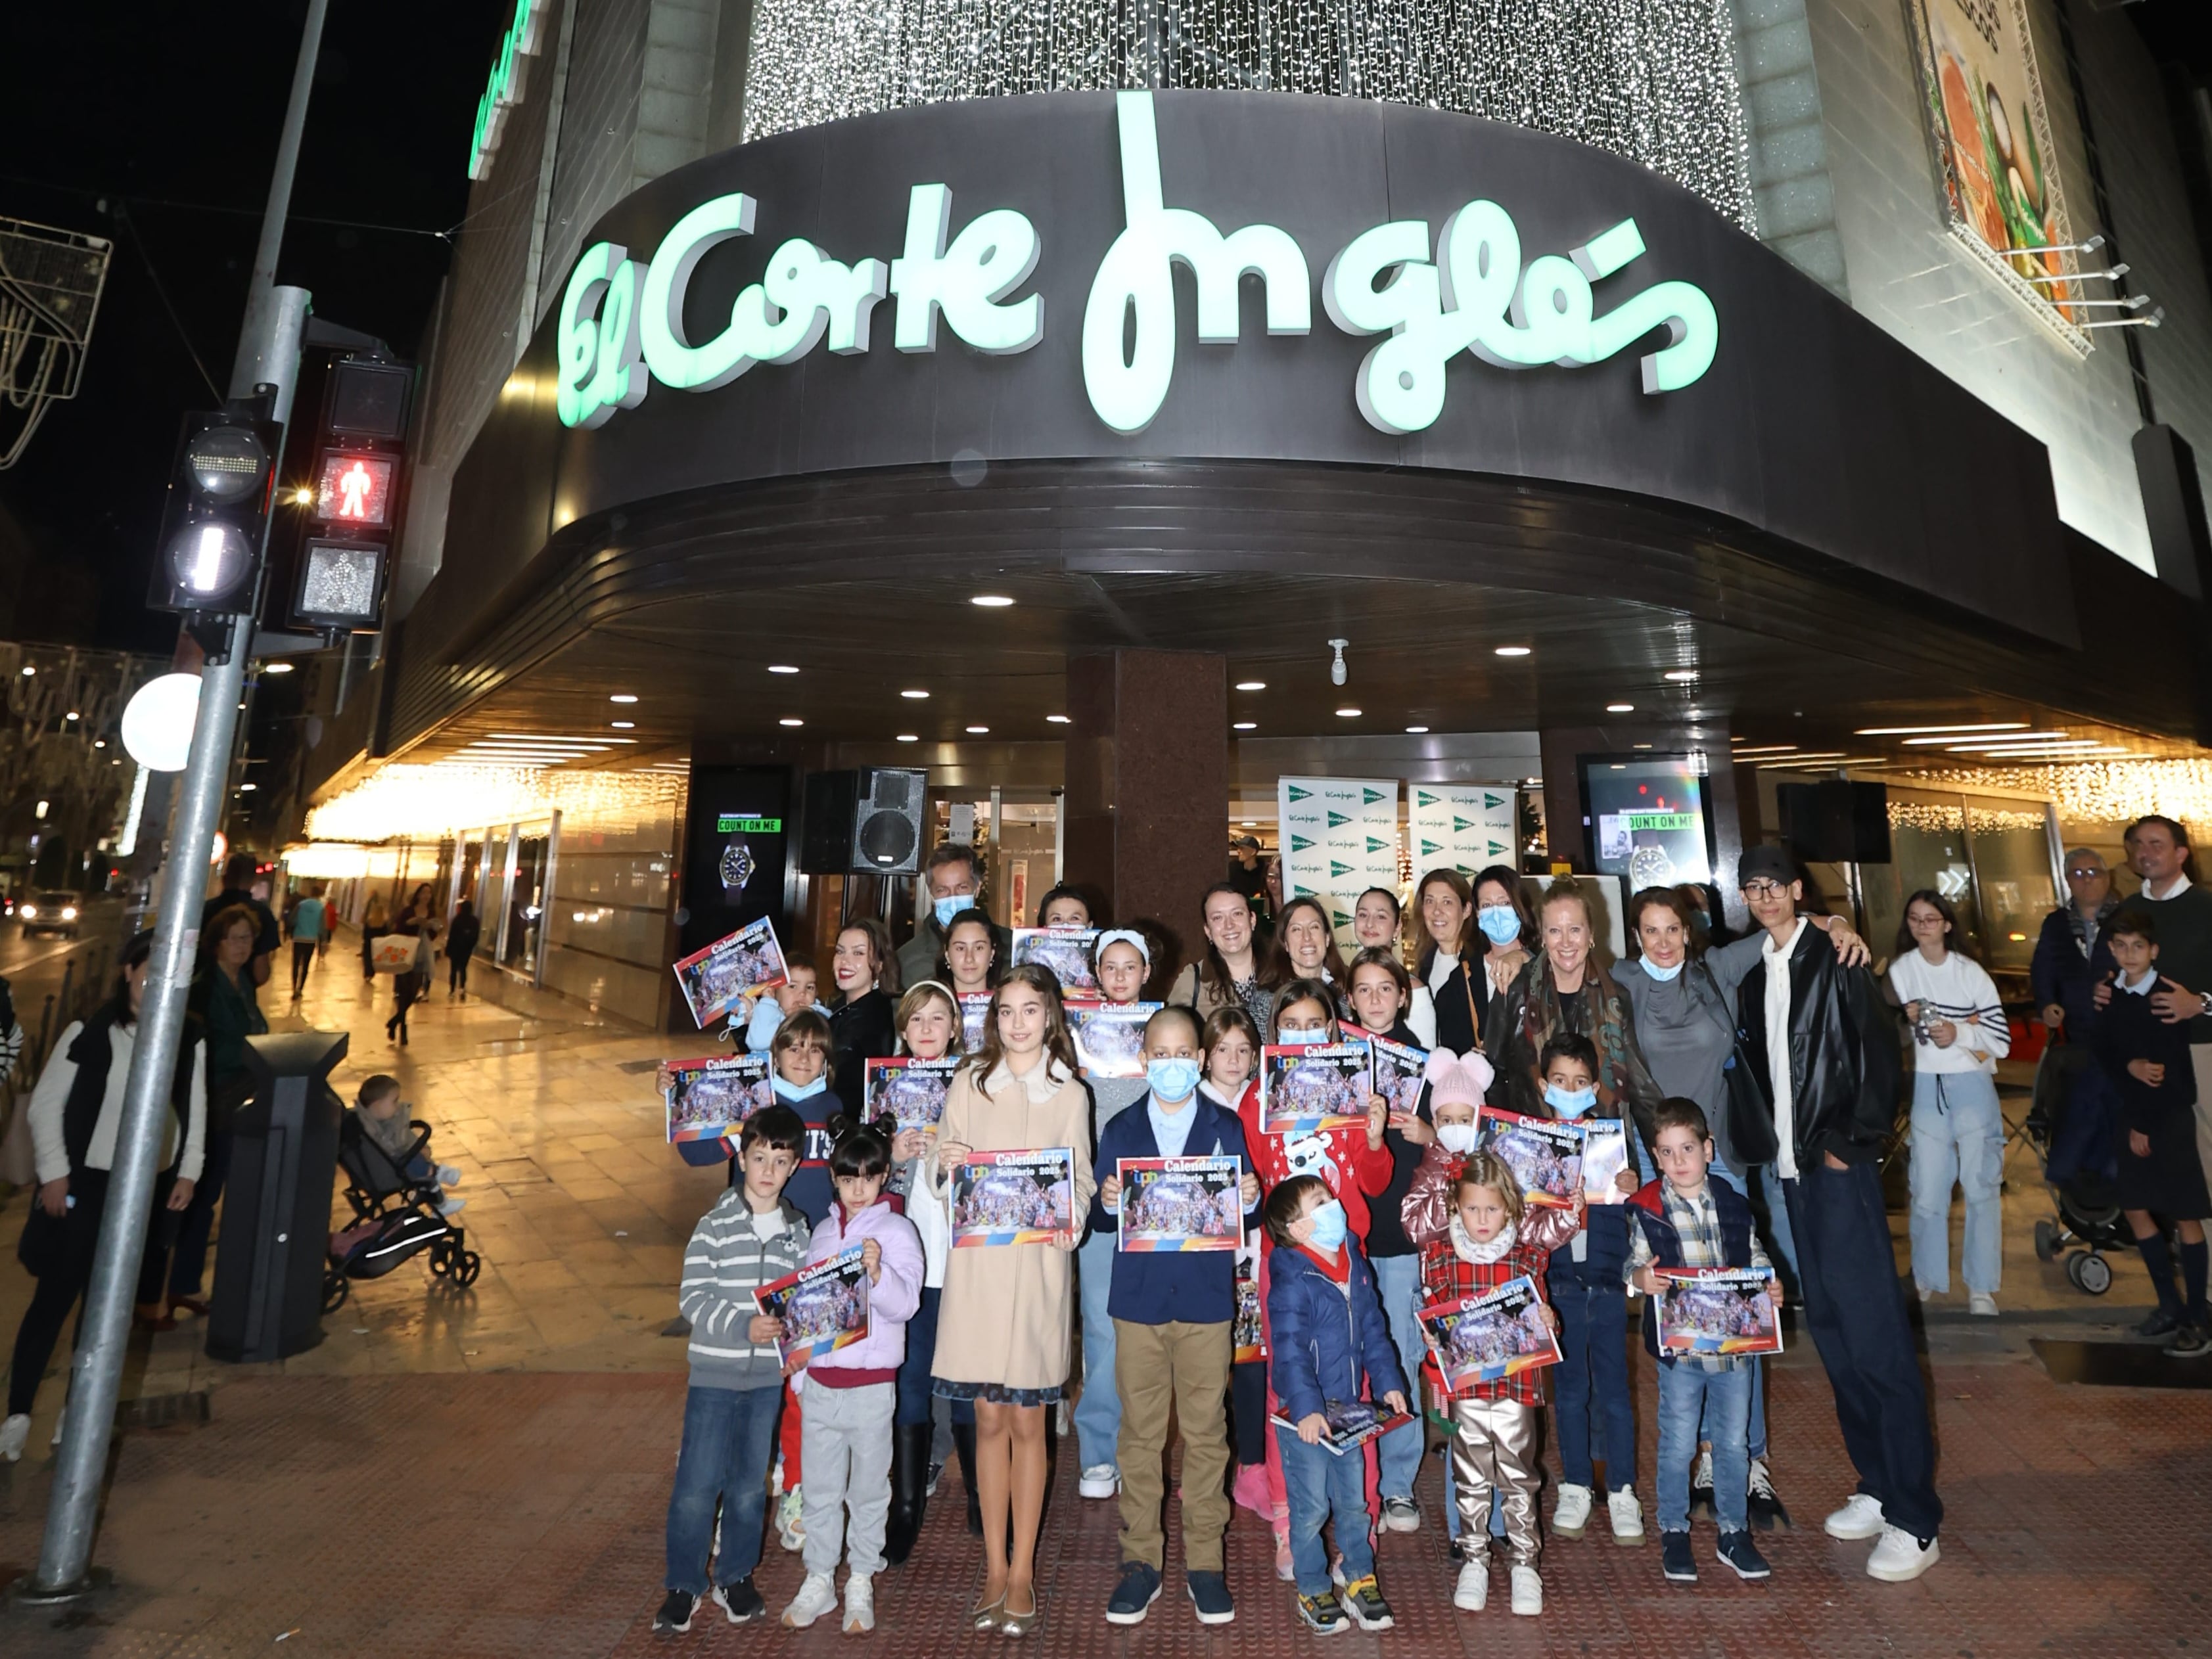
x: 1147, y: 800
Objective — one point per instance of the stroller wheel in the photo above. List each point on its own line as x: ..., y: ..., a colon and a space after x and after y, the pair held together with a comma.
x: 2095, y: 1275
x: 471, y: 1264
x: 2046, y: 1241
x: 441, y: 1259
x: 336, y: 1287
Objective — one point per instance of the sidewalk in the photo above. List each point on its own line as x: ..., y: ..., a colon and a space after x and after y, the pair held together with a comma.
x: 484, y: 1471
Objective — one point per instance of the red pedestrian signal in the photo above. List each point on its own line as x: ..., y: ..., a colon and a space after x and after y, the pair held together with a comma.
x: 355, y: 488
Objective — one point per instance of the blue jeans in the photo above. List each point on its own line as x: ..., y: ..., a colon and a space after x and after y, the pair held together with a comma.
x: 1398, y: 1280
x: 1098, y: 1411
x: 1756, y: 1365
x: 1689, y: 1394
x: 1592, y: 1381
x: 1855, y: 1309
x: 728, y: 1437
x: 1958, y: 1135
x: 1769, y: 1207
x: 1322, y: 1485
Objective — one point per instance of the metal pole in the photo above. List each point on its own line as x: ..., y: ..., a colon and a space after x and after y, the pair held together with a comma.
x: 268, y: 355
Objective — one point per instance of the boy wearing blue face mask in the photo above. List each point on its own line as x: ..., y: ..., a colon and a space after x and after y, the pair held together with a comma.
x: 1590, y: 1391
x: 1172, y: 1312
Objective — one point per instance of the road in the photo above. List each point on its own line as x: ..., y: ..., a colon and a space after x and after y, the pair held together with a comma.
x: 35, y: 969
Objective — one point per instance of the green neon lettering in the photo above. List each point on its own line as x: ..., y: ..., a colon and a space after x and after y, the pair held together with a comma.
x: 504, y: 90
x: 1136, y: 279
x: 993, y: 256
x: 597, y: 338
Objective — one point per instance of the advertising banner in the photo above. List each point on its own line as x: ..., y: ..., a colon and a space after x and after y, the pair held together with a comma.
x: 1465, y: 827
x: 1339, y: 838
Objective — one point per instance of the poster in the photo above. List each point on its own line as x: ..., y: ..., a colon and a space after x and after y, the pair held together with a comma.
x: 1717, y: 1310
x: 1012, y: 1198
x: 1109, y: 1036
x: 746, y: 963
x: 1396, y: 1069
x: 707, y: 1099
x: 1605, y: 1156
x: 1351, y: 1424
x: 1994, y: 154
x: 1321, y: 1086
x: 823, y: 1307
x: 1066, y: 951
x: 1339, y: 837
x: 1490, y: 1337
x: 1545, y: 1154
x: 1180, y: 1204
x: 1467, y: 827
x: 910, y: 1091
x: 974, y: 1012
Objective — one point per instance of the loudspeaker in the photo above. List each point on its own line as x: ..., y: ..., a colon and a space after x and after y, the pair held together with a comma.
x: 1835, y: 822
x: 868, y: 822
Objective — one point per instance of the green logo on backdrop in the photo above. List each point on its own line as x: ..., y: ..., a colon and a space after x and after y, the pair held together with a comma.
x: 1490, y: 801
x: 1336, y: 819
x: 1336, y: 869
x: 1376, y: 844
x: 1422, y: 798
x: 1299, y: 843
x: 1291, y: 792
x: 1461, y: 825
x: 1371, y: 797
x: 1497, y: 848
x: 1430, y: 848
x: 736, y: 824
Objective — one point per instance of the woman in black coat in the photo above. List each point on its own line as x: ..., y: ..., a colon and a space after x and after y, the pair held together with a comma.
x: 863, y: 1020
x: 460, y: 945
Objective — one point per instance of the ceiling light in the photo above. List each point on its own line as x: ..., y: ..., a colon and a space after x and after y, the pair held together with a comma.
x: 1953, y: 736
x: 276, y: 667
x: 1680, y: 676
x: 1417, y: 730
x: 1621, y: 708
x: 907, y: 737
x: 1058, y: 719
x: 991, y: 601
x: 1251, y: 686
x: 1639, y: 745
x: 1764, y: 749
x: 1347, y: 713
x: 1511, y: 651
x: 624, y: 726
x: 782, y: 668
x: 915, y: 696
x: 791, y: 720
x: 1903, y: 730
x: 244, y: 787
x: 1247, y: 823
x: 100, y: 743
x: 2019, y: 743
x: 976, y: 730
x: 622, y: 696
x: 549, y: 737
x: 29, y: 670
x: 1245, y: 726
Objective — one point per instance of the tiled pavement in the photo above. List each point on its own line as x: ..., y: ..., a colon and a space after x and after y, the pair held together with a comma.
x: 485, y: 1472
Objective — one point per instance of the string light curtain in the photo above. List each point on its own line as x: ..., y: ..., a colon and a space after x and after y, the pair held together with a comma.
x: 1651, y: 80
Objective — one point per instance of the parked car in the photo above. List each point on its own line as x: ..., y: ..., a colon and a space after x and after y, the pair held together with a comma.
x: 49, y: 913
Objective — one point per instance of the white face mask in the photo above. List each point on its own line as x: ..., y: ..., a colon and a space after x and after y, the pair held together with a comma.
x: 1457, y: 1139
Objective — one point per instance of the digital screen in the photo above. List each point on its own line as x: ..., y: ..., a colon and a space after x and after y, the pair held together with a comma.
x: 353, y: 489
x: 1647, y: 820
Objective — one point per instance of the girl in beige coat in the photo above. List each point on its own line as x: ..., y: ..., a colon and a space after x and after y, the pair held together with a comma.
x: 1003, y: 1324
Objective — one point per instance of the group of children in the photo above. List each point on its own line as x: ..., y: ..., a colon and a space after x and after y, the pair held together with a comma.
x: 1160, y: 1329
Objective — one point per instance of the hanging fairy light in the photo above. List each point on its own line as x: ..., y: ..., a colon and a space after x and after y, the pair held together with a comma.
x: 428, y: 802
x: 1654, y: 81
x: 2096, y: 791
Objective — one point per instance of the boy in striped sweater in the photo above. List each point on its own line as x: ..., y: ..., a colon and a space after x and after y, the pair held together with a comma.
x: 752, y: 1236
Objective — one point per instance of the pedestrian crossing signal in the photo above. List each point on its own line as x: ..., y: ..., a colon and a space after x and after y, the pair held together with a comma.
x: 353, y: 489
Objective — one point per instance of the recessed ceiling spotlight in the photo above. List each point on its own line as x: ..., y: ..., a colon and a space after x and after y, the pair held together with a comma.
x: 1639, y: 745
x: 908, y: 737
x: 1621, y: 708
x: 791, y: 720
x: 783, y: 668
x: 624, y: 726
x: 1417, y: 730
x: 1512, y: 651
x: 1058, y: 719
x: 1681, y: 676
x: 1347, y: 713
x: 277, y: 668
x: 915, y: 696
x: 978, y: 731
x: 1245, y: 726
x: 622, y: 696
x: 991, y: 601
x: 1251, y: 686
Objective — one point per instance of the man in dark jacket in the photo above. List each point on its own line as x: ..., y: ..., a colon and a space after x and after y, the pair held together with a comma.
x: 2072, y: 958
x: 1820, y: 1101
x: 954, y: 877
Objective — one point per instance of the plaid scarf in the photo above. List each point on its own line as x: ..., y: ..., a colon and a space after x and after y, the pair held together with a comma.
x: 1609, y: 1026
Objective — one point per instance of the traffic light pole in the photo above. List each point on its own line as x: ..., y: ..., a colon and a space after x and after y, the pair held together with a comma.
x: 268, y: 355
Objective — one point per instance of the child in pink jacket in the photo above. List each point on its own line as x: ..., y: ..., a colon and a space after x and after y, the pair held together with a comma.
x: 851, y: 1391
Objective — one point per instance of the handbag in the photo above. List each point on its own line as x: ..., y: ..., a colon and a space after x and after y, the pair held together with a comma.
x: 44, y: 1244
x: 393, y: 953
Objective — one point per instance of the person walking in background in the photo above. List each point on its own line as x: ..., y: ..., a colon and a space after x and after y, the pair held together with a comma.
x: 239, y: 873
x: 375, y: 923
x: 1958, y: 1034
x: 311, y: 921
x: 460, y: 945
x: 223, y: 998
x: 410, y: 986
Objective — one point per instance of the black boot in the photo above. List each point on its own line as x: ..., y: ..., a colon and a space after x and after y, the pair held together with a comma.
x: 909, y: 1488
x: 963, y: 1441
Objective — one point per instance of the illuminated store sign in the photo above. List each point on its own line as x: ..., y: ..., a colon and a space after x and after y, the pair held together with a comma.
x: 504, y: 90
x: 621, y: 322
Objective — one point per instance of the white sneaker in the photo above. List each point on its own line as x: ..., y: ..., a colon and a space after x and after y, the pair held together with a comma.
x: 1900, y: 1558
x: 1570, y: 1517
x: 61, y: 1421
x: 1099, y: 1481
x: 859, y: 1605
x: 790, y: 1522
x: 1860, y: 1518
x: 815, y: 1597
x: 1982, y: 1302
x: 1626, y: 1516
x: 1473, y: 1590
x: 448, y: 1175
x: 1528, y: 1592
x: 451, y: 1205
x: 1926, y: 1295
x: 15, y: 1434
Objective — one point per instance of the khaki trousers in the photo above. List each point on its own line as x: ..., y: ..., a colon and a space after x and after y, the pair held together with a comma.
x: 1185, y: 1366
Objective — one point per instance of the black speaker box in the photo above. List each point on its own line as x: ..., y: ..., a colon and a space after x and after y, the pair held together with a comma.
x: 867, y: 821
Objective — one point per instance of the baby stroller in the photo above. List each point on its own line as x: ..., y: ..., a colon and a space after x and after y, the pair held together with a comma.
x: 2070, y: 1125
x: 394, y: 1218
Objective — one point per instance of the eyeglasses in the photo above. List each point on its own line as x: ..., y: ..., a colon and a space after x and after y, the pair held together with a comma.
x: 2084, y: 875
x: 1764, y: 890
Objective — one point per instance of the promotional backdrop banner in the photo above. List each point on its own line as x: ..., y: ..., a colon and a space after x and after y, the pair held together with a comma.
x: 1465, y: 827
x: 1339, y: 837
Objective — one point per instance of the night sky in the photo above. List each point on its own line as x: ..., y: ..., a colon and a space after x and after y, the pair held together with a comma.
x: 156, y: 126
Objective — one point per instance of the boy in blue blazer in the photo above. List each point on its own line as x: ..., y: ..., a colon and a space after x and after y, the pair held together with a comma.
x: 1173, y: 1306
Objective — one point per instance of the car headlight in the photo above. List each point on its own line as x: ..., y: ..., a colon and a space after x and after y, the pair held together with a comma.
x: 69, y: 913
x: 30, y: 910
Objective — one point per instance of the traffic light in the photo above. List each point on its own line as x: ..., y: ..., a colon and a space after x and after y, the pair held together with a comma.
x: 217, y: 521
x: 354, y: 500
